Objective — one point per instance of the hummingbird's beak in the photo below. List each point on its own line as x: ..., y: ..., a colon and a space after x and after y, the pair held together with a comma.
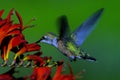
x: 39, y: 40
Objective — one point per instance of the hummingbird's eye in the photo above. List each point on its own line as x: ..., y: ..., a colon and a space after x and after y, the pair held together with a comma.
x: 43, y: 37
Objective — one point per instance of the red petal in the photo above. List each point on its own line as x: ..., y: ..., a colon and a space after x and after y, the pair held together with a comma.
x: 2, y: 23
x: 21, y: 51
x: 32, y: 47
x: 41, y: 73
x: 27, y: 48
x: 3, y: 31
x: 35, y: 58
x: 10, y: 14
x: 4, y: 52
x: 19, y: 18
x: 15, y: 41
x: 14, y: 32
x: 59, y: 76
x: 5, y: 28
x: 1, y: 12
x: 14, y: 26
x: 58, y: 72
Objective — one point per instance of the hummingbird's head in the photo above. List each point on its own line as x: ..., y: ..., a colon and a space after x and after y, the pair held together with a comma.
x: 49, y: 38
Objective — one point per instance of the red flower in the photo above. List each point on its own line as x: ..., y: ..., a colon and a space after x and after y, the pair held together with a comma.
x: 8, y: 32
x: 59, y: 76
x: 11, y: 36
x: 41, y: 73
x: 14, y: 42
x: 7, y: 28
x: 27, y: 48
x: 12, y: 39
x: 37, y: 59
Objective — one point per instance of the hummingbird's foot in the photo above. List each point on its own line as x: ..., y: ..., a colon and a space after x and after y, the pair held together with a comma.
x: 79, y: 57
x: 72, y: 58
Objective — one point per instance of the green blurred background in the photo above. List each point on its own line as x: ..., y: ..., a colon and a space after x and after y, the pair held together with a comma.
x: 103, y: 43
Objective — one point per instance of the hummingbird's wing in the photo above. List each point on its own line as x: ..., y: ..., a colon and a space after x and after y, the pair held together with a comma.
x: 63, y: 27
x: 80, y: 34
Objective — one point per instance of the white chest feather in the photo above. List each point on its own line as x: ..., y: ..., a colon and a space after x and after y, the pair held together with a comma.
x: 54, y: 42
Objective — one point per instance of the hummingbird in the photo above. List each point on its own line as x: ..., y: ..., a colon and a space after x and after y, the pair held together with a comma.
x: 69, y: 44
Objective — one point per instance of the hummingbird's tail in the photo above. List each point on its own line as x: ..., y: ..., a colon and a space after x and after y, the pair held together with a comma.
x: 89, y: 58
x: 85, y: 56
